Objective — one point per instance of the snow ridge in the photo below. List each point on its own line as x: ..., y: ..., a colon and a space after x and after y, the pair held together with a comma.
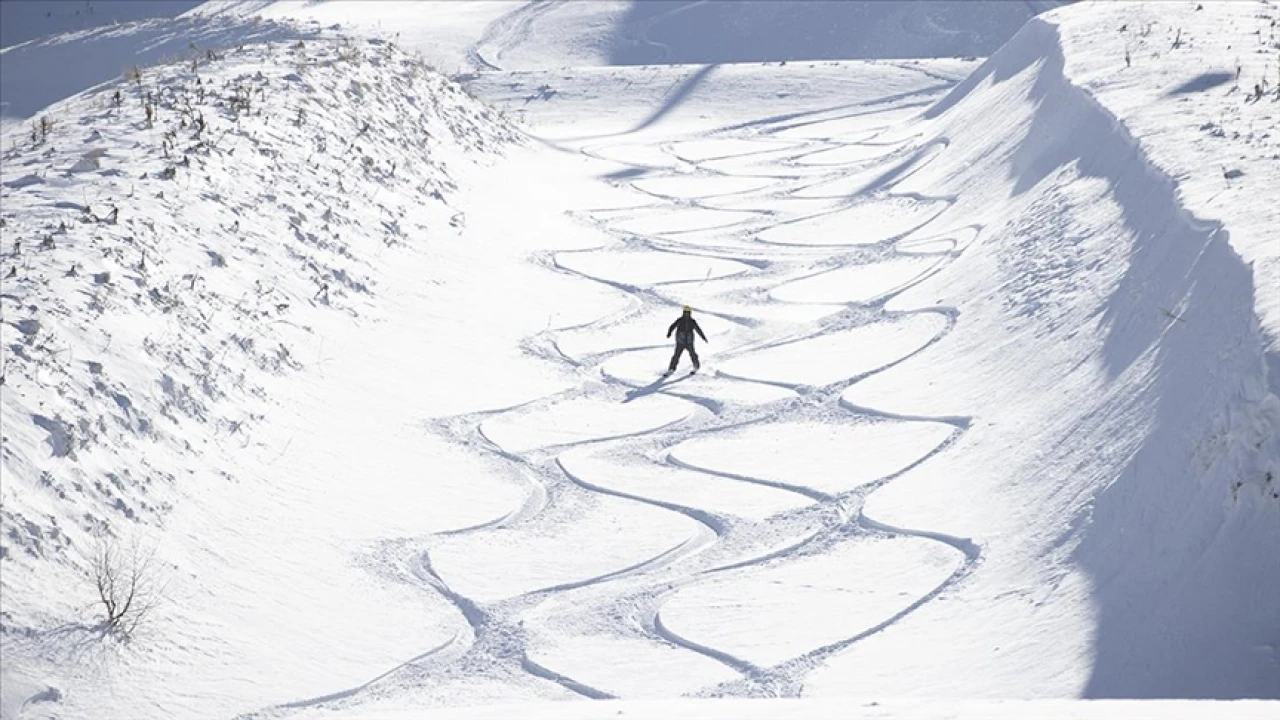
x: 1178, y: 368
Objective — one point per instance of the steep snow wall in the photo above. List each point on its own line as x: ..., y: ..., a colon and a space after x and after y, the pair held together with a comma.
x: 1121, y: 471
x: 1197, y: 85
x: 171, y: 241
x: 1187, y: 596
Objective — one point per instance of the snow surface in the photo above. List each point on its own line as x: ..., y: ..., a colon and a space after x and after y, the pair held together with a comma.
x: 23, y: 20
x: 491, y: 35
x: 988, y: 408
x: 836, y: 709
x: 42, y: 71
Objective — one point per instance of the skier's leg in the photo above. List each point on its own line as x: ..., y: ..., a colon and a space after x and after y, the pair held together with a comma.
x: 693, y: 355
x: 675, y: 359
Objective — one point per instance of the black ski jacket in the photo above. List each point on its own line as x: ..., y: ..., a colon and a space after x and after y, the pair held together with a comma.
x: 684, y: 328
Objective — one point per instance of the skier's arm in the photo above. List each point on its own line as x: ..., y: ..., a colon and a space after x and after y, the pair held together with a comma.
x: 699, y: 329
x: 672, y: 328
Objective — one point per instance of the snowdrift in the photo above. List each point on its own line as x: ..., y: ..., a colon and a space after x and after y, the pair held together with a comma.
x: 1121, y: 470
x: 1196, y: 85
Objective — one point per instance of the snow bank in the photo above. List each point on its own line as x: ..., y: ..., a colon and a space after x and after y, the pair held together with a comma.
x: 1198, y: 86
x: 1206, y: 573
x: 1120, y: 472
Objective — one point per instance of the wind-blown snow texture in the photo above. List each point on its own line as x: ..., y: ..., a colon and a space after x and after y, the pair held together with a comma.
x: 988, y: 408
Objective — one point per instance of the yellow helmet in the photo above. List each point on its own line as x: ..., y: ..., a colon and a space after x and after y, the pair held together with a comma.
x: 688, y: 309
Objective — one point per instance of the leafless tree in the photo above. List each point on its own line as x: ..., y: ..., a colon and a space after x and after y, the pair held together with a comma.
x: 125, y: 579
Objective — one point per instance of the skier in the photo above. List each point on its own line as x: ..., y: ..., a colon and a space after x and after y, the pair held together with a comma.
x: 684, y: 328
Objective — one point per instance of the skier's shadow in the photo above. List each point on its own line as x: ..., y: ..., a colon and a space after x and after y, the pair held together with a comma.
x: 652, y: 387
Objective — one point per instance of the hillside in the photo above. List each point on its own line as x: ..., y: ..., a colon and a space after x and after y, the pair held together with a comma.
x: 94, y: 42
x: 180, y: 248
x: 46, y: 70
x: 24, y: 20
x: 459, y: 37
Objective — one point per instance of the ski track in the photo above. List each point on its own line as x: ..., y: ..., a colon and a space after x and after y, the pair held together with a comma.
x: 493, y: 636
x: 507, y: 32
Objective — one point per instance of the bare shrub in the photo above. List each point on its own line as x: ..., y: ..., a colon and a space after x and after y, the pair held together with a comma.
x: 40, y: 129
x: 125, y: 578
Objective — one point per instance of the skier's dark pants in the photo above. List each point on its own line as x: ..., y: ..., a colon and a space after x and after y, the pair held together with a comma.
x: 693, y: 355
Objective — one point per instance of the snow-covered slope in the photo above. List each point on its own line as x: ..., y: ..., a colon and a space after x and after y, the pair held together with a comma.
x: 23, y: 20
x: 43, y: 71
x: 559, y: 33
x: 655, y: 31
x: 1216, y: 141
x: 1198, y: 85
x: 176, y: 249
x: 1112, y: 482
x: 1110, y: 353
x: 987, y: 408
x: 465, y: 36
